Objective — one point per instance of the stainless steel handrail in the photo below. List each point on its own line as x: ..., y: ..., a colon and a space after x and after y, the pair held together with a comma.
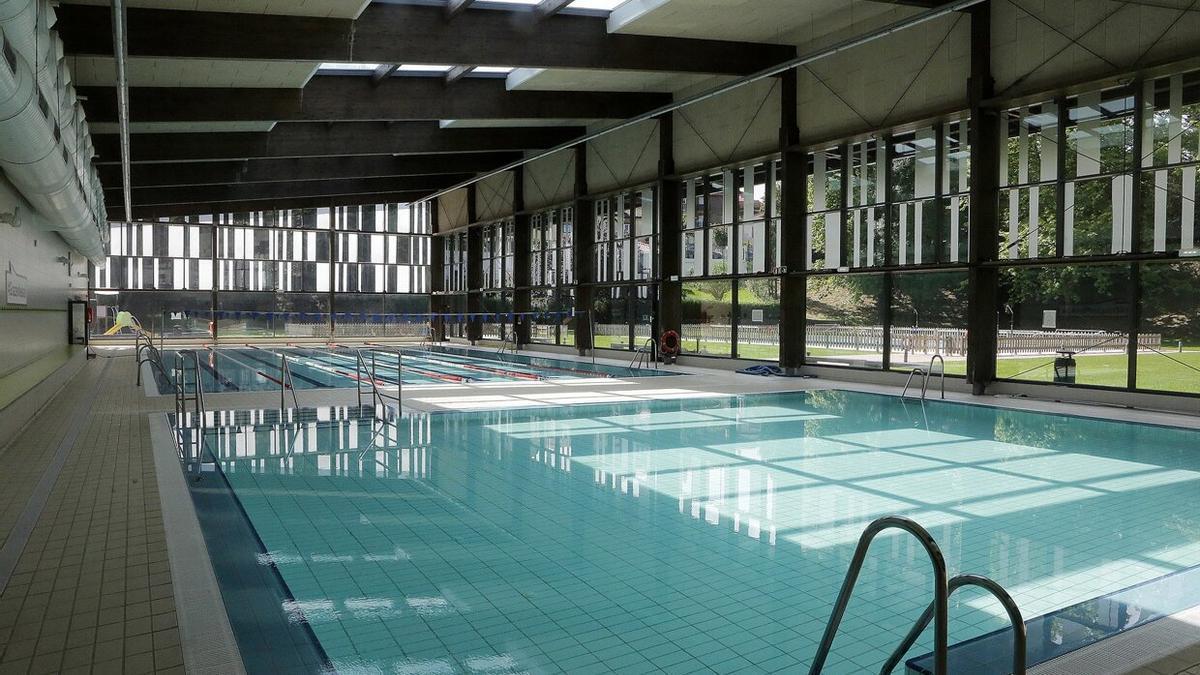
x: 647, y: 353
x: 285, y: 382
x: 941, y: 590
x: 957, y: 582
x: 363, y: 370
x: 199, y: 409
x: 925, y: 384
x: 908, y: 382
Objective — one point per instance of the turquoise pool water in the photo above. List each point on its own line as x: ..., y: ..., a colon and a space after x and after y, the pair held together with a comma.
x: 254, y: 368
x: 682, y: 536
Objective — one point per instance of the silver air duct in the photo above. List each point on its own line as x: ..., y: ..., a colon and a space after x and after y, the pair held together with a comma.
x: 45, y: 150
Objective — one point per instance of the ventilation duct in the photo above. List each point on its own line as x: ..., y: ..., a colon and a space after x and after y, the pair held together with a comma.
x: 45, y: 149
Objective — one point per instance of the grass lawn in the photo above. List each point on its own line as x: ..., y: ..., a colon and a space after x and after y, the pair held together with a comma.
x: 1108, y: 370
x: 1155, y: 372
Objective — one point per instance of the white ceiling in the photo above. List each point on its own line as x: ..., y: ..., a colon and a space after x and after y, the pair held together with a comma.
x: 781, y: 21
x: 337, y: 9
x: 143, y: 72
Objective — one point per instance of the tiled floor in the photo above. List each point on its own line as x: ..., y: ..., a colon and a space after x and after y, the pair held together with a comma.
x: 91, y: 591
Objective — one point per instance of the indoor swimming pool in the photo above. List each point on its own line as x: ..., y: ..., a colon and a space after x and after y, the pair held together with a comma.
x: 260, y: 368
x: 683, y: 535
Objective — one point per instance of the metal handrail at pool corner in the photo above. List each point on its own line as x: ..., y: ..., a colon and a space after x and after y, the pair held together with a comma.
x: 646, y: 354
x: 938, y: 610
x: 941, y: 593
x: 363, y: 371
x: 285, y: 382
x: 955, y: 583
x: 925, y: 375
x: 199, y: 409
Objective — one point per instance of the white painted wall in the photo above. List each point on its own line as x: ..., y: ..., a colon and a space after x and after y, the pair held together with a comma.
x: 31, y: 331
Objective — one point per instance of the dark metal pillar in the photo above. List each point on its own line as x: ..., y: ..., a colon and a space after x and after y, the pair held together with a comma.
x: 794, y: 198
x: 585, y: 232
x: 670, y: 295
x: 522, y: 242
x: 474, y: 271
x: 983, y: 282
x: 437, y: 278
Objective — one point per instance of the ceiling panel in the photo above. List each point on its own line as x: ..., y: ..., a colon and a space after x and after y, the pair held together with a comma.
x: 779, y: 21
x: 143, y: 72
x: 568, y: 79
x: 337, y: 9
x: 180, y: 127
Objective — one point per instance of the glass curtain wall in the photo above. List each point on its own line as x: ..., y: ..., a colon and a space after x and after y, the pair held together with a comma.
x: 730, y: 236
x: 498, y: 282
x: 626, y: 246
x: 270, y: 273
x: 552, y: 276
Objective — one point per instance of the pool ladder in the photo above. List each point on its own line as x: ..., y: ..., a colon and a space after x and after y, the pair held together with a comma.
x: 925, y: 375
x: 286, y: 383
x: 183, y: 359
x: 365, y: 369
x: 646, y: 354
x: 509, y: 344
x: 938, y: 610
x: 145, y: 352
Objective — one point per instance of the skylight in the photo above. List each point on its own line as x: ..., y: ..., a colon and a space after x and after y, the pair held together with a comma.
x: 603, y: 5
x: 348, y: 66
x: 502, y: 70
x: 423, y: 68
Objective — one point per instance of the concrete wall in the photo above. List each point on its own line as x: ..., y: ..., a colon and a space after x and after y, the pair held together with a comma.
x: 1031, y: 50
x: 452, y: 210
x: 550, y: 181
x: 623, y: 158
x: 30, y: 332
x: 494, y: 197
x: 741, y: 124
x: 915, y: 73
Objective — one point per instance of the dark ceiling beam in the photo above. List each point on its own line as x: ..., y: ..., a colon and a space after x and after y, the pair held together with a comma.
x: 194, y: 208
x: 267, y: 191
x: 457, y: 73
x: 304, y: 168
x: 383, y: 71
x: 334, y: 98
x: 547, y: 8
x: 330, y: 140
x: 398, y: 33
x: 456, y: 7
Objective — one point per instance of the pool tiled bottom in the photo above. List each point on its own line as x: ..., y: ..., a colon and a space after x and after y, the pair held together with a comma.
x: 690, y: 536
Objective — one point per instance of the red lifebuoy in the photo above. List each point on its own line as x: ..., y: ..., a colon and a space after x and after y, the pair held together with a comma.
x: 668, y: 344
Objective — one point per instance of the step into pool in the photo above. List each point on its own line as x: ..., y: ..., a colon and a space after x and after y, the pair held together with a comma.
x: 674, y: 536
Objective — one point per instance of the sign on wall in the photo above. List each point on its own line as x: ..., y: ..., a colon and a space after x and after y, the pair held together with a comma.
x: 16, y: 287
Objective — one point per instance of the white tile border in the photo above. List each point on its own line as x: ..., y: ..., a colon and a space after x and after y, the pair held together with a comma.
x: 204, y: 632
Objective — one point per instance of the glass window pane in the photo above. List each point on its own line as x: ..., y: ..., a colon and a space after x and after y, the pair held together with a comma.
x: 1079, y: 311
x: 707, y: 326
x: 758, y: 319
x: 844, y: 320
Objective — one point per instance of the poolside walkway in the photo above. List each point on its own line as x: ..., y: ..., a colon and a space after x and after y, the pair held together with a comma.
x: 85, y: 585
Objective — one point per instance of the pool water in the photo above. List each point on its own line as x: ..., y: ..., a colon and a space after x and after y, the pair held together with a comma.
x: 684, y: 536
x: 226, y: 369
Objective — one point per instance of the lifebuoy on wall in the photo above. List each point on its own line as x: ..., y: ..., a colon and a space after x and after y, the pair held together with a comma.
x: 668, y: 344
